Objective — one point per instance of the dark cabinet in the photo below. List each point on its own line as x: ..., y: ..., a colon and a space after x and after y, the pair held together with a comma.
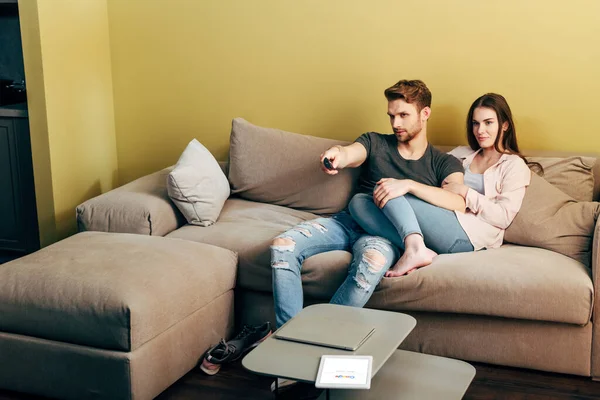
x: 19, y: 234
x: 18, y: 217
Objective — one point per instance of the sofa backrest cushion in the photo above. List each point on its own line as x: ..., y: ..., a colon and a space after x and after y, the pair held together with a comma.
x: 197, y: 185
x: 282, y: 168
x: 572, y: 175
x: 553, y: 220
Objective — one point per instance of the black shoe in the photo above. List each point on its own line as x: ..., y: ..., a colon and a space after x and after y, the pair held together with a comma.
x: 229, y: 351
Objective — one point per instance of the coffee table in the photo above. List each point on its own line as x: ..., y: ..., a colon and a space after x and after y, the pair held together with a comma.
x: 300, y: 361
x: 406, y: 375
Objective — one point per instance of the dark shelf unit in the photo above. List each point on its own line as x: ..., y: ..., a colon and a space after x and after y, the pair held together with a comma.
x: 19, y: 227
x: 19, y: 232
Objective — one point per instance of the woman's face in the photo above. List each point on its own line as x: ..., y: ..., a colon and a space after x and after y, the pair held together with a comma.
x: 485, y: 126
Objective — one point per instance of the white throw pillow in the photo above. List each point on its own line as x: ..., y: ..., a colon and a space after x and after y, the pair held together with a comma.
x: 198, y: 186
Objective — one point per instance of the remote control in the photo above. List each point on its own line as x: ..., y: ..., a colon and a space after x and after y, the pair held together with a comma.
x: 327, y: 163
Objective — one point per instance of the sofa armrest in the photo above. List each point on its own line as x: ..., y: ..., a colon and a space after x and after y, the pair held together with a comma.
x: 142, y: 206
x: 596, y: 305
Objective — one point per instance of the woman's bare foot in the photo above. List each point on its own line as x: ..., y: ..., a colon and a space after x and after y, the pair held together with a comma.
x: 411, y: 260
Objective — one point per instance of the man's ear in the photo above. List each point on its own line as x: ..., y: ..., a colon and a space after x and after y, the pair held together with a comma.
x: 425, y: 113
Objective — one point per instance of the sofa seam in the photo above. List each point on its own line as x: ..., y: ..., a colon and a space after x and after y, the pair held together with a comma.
x: 129, y: 339
x: 595, y: 280
x: 150, y: 224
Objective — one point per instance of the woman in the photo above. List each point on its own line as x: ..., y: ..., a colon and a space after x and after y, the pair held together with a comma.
x: 496, y: 176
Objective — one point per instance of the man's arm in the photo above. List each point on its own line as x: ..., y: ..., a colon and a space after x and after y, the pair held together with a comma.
x: 351, y: 156
x: 389, y: 188
x: 440, y: 197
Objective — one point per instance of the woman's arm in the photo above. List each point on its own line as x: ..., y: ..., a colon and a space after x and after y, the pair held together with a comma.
x: 500, y: 211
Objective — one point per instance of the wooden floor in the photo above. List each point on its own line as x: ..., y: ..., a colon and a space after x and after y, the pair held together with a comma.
x: 490, y: 383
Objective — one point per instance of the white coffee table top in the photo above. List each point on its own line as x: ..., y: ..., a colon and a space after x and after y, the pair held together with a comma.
x: 299, y: 361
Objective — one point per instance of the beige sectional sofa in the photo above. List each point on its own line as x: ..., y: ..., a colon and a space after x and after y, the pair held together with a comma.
x: 516, y: 305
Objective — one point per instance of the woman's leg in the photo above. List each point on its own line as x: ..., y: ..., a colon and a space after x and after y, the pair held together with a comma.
x: 398, y: 223
x: 442, y: 233
x: 291, y: 248
x: 377, y: 223
x: 372, y: 256
x: 441, y: 230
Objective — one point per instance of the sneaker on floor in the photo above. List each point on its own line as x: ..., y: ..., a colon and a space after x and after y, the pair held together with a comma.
x: 229, y: 351
x: 211, y: 362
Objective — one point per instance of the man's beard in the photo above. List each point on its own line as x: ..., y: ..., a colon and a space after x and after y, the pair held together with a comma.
x: 412, y: 133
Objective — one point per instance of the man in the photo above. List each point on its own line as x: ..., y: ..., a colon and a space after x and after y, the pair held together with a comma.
x: 394, y: 165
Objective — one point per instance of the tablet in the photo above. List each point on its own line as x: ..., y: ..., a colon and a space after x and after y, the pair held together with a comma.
x: 344, y: 372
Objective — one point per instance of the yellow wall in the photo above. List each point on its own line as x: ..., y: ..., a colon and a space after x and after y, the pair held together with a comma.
x: 184, y: 69
x: 68, y: 71
x: 38, y: 123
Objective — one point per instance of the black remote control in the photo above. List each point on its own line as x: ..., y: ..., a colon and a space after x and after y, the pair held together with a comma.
x: 327, y: 163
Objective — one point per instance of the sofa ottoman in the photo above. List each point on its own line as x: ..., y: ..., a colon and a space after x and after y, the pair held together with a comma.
x: 112, y: 316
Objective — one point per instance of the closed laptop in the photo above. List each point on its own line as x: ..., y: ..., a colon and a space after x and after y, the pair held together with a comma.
x: 329, y: 332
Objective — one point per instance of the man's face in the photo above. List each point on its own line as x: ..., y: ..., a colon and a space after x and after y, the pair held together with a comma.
x: 406, y: 121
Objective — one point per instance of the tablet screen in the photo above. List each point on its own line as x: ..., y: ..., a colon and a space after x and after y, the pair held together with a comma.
x: 350, y: 372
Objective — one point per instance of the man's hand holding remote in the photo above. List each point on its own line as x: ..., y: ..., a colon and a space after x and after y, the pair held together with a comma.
x: 330, y: 160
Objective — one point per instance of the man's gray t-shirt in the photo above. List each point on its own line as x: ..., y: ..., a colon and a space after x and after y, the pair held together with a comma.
x: 384, y: 161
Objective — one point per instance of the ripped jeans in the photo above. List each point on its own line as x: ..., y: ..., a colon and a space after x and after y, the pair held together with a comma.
x: 371, y: 257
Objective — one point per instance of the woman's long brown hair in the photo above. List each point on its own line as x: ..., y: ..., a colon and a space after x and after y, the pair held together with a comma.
x: 509, y: 143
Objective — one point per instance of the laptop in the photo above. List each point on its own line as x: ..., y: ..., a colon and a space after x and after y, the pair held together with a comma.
x: 328, y: 332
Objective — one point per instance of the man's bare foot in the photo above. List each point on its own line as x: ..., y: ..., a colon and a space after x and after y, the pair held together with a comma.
x: 411, y: 260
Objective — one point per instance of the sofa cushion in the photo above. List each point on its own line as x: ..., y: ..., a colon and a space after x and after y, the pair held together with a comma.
x: 141, y: 206
x: 282, y: 168
x: 510, y: 281
x: 111, y: 291
x: 572, y: 175
x: 552, y: 220
x: 248, y: 228
x: 197, y: 185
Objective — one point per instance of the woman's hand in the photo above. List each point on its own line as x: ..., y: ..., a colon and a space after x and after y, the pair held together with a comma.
x: 389, y: 188
x: 457, y: 188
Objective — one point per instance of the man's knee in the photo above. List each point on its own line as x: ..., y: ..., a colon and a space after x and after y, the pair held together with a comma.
x: 279, y: 246
x: 376, y: 252
x: 374, y: 260
x: 283, y: 243
x: 369, y: 270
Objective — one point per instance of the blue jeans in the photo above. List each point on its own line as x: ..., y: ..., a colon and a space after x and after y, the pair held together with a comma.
x: 408, y: 214
x: 371, y: 258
